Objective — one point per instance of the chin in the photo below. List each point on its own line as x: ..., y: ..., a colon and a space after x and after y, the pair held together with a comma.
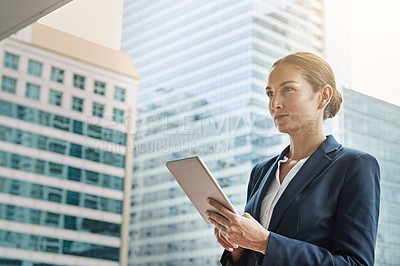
x: 282, y: 129
x: 289, y: 130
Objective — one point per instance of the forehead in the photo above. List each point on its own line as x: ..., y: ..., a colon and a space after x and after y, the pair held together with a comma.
x: 284, y: 72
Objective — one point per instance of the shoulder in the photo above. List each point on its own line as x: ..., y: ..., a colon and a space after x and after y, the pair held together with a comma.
x: 356, y: 168
x: 264, y: 165
x: 260, y: 169
x: 257, y: 174
x: 338, y: 153
x: 350, y: 156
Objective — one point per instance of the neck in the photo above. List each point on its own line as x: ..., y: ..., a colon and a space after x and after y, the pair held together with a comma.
x: 303, y: 145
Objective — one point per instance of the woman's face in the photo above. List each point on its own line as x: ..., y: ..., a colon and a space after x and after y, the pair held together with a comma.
x: 293, y: 105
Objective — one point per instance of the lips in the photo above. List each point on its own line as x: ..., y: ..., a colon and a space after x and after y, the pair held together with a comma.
x: 280, y: 116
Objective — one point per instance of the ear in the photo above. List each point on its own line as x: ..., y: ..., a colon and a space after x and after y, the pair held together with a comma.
x: 325, y: 96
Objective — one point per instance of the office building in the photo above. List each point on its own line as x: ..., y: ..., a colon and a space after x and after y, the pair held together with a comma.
x: 372, y: 125
x: 203, y: 67
x: 66, y: 111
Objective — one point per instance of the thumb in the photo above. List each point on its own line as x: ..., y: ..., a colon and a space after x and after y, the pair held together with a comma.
x: 247, y: 215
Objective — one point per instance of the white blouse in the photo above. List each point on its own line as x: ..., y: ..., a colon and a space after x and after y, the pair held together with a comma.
x: 275, y: 191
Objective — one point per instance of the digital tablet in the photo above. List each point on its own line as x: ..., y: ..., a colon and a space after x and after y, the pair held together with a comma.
x: 199, y: 184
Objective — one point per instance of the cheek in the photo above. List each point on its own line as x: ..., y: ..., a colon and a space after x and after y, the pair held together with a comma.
x: 312, y: 108
x: 305, y: 107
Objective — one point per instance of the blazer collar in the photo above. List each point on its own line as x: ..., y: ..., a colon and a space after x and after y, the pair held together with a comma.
x: 265, y: 183
x: 314, y: 166
x: 329, y: 145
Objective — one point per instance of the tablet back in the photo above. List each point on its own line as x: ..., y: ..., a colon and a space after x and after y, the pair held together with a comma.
x: 198, y: 183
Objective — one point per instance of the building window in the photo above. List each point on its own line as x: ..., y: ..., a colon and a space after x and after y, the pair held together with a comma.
x: 8, y: 84
x: 99, y: 87
x: 35, y: 68
x: 57, y: 75
x: 55, y: 98
x: 119, y: 94
x: 32, y: 91
x: 79, y: 81
x: 11, y: 61
x: 77, y: 104
x: 98, y: 109
x: 118, y: 115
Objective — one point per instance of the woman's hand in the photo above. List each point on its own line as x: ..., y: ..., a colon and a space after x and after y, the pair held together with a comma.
x: 243, y: 231
x: 235, y: 250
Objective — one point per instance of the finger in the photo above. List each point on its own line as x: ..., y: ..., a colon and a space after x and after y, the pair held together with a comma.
x: 221, y: 208
x: 218, y: 218
x: 225, y: 245
x: 219, y: 226
x: 223, y: 242
x: 226, y: 239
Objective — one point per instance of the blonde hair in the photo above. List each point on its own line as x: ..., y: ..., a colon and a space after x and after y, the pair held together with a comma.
x: 318, y: 73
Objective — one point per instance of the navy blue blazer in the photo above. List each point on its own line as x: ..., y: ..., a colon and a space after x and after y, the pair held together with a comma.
x: 328, y: 214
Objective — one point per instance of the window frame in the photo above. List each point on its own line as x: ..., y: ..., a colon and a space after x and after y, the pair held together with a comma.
x: 57, y: 75
x: 35, y: 68
x: 77, y: 107
x: 5, y: 85
x: 31, y: 92
x: 118, y: 115
x: 11, y: 60
x: 98, y: 109
x: 99, y: 87
x: 55, y: 97
x: 119, y: 94
x: 79, y: 84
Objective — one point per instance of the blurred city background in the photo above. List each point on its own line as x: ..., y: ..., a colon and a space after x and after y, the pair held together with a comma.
x: 97, y: 95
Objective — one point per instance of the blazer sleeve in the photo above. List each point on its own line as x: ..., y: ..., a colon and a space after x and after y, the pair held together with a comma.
x: 354, y: 234
x: 226, y: 256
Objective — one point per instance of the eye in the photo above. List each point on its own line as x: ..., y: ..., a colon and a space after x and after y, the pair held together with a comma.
x: 287, y: 88
x: 270, y: 93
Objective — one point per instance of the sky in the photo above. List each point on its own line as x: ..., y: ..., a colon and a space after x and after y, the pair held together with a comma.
x: 376, y: 48
x: 375, y: 38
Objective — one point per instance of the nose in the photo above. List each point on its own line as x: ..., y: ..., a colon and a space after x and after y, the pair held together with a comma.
x: 275, y: 102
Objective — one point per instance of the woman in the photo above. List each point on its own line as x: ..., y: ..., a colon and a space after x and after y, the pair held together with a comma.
x: 317, y: 203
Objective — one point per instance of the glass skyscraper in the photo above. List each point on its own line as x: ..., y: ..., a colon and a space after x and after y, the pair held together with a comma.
x: 203, y: 67
x: 372, y: 125
x: 63, y: 184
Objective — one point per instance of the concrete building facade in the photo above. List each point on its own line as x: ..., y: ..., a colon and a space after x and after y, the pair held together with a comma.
x: 66, y: 108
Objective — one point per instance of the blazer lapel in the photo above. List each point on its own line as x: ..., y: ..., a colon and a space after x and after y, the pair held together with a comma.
x: 317, y: 162
x: 264, y: 184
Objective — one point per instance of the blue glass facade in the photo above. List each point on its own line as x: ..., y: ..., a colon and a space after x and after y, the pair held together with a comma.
x: 63, y: 196
x: 12, y: 262
x: 61, y: 171
x: 57, y: 220
x: 38, y: 243
x: 47, y: 119
x: 41, y: 142
x: 203, y: 66
x: 372, y: 125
